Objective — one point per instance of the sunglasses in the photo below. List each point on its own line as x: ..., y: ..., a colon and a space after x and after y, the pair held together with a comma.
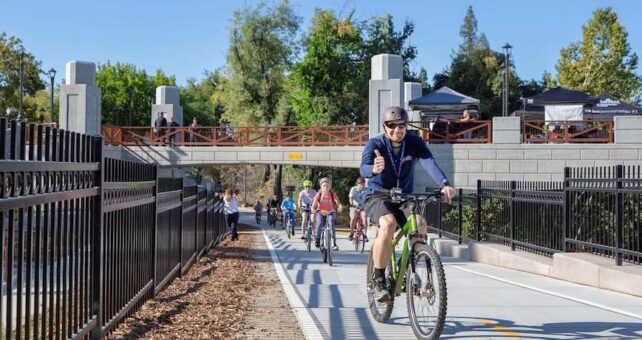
x: 307, y: 186
x: 393, y: 126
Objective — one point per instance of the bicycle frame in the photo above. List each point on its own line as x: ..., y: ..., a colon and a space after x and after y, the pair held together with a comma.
x: 398, y: 274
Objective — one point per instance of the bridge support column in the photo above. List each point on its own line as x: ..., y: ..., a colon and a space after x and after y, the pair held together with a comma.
x: 168, y: 101
x: 80, y: 99
x: 386, y: 88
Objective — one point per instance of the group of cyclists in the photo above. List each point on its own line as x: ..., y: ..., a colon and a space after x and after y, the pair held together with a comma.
x: 388, y: 162
x: 318, y: 208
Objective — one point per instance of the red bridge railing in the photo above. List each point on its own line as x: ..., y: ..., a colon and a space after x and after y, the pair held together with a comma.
x: 350, y: 135
x: 581, y: 131
x: 455, y: 131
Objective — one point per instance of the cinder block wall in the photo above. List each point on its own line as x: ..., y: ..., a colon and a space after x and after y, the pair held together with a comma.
x: 465, y: 164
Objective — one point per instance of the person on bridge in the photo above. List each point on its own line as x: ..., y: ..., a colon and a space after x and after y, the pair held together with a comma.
x: 389, y: 161
x: 161, y: 126
x: 306, y: 196
x: 323, y: 208
x: 356, y: 197
x: 288, y: 206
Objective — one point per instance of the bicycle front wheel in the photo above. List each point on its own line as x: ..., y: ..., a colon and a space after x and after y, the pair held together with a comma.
x: 287, y: 229
x: 328, y: 242
x: 426, y: 293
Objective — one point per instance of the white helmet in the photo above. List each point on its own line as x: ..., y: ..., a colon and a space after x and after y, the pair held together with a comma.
x: 325, y: 180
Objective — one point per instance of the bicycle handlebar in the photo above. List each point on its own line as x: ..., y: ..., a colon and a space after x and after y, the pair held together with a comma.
x: 398, y: 196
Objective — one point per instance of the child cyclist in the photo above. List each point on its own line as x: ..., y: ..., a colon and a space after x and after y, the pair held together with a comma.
x: 323, y: 207
x: 288, y: 207
x: 306, y: 196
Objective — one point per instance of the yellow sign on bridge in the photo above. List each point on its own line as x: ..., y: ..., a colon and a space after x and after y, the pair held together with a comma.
x: 295, y: 155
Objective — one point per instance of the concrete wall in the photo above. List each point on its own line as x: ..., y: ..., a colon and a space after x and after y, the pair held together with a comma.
x: 464, y: 164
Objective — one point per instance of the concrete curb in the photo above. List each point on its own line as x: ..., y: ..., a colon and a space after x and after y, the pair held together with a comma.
x: 586, y: 269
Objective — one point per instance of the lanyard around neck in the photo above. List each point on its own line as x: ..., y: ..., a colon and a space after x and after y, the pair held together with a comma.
x: 396, y: 169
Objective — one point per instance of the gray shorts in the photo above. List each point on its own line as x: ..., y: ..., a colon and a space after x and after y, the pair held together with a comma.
x: 379, y: 205
x: 354, y: 212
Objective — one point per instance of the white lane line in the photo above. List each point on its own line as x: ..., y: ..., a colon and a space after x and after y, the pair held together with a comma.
x: 306, y: 321
x: 563, y: 296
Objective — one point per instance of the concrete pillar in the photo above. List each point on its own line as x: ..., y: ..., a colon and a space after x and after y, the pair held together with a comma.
x: 628, y: 129
x: 168, y: 101
x: 411, y: 91
x: 386, y: 88
x: 507, y: 130
x: 80, y: 99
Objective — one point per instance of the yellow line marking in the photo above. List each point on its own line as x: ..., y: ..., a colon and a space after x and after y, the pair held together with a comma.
x: 504, y: 330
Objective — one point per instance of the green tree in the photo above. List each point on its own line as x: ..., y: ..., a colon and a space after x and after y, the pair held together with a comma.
x: 330, y: 84
x: 422, y: 78
x: 12, y: 52
x: 321, y: 87
x: 128, y: 93
x: 602, y: 61
x: 380, y: 36
x: 468, y: 32
x: 478, y: 71
x: 202, y: 99
x: 262, y: 48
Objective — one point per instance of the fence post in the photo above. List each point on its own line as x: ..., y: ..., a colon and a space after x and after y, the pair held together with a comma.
x: 155, y: 237
x: 461, y: 215
x: 566, y: 208
x: 479, y: 212
x: 619, y: 203
x: 97, y: 243
x: 513, y: 211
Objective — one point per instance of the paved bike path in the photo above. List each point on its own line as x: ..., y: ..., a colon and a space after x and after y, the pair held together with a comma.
x: 484, y: 302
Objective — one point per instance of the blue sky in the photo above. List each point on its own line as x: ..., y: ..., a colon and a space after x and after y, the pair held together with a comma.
x: 186, y: 37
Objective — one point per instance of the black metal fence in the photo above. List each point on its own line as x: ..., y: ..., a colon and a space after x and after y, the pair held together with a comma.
x: 86, y: 240
x: 595, y: 210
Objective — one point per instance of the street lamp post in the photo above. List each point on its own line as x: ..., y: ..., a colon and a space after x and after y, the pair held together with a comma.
x: 52, y: 76
x: 22, y: 54
x: 507, y: 48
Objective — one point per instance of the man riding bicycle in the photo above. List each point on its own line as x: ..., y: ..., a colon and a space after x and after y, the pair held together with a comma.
x: 323, y: 207
x: 306, y: 196
x: 356, y: 197
x: 288, y: 207
x: 389, y: 161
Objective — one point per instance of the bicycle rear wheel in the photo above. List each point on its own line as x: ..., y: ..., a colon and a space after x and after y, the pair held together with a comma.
x: 362, y: 241
x: 426, y: 293
x: 380, y: 311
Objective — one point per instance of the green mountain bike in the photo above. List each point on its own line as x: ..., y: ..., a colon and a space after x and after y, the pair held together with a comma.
x: 418, y: 272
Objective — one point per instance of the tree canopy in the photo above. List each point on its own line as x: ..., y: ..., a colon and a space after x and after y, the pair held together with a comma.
x: 11, y: 53
x: 128, y: 93
x: 262, y: 49
x: 602, y: 61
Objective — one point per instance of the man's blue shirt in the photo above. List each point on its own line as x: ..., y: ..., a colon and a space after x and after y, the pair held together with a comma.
x: 403, y: 169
